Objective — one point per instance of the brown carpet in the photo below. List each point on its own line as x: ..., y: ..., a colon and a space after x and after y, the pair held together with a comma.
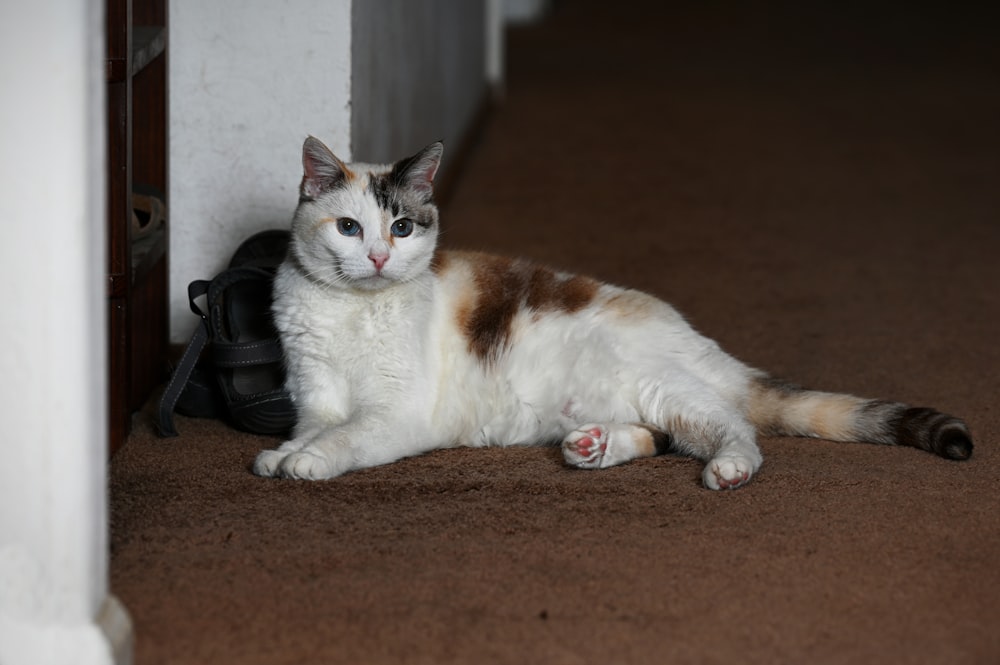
x: 818, y: 190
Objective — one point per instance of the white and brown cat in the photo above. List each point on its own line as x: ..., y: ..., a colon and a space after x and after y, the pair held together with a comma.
x: 395, y: 348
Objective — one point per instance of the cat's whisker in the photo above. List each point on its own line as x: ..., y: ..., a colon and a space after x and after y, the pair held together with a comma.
x: 327, y: 276
x: 419, y: 282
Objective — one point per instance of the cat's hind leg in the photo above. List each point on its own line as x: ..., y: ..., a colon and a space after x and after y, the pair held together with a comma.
x: 730, y: 471
x: 727, y: 445
x: 705, y: 425
x: 600, y: 445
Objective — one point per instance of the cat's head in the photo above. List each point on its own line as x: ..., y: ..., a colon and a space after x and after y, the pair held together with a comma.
x: 365, y: 226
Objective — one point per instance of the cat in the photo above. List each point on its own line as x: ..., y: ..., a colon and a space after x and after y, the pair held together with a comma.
x: 394, y: 348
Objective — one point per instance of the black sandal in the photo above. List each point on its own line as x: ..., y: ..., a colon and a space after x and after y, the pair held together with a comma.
x: 244, y: 377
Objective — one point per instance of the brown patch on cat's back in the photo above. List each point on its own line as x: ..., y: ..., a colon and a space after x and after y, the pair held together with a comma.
x: 503, y: 288
x: 547, y: 291
x: 487, y: 320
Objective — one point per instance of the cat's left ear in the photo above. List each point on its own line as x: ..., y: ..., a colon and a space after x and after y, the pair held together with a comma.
x: 417, y: 172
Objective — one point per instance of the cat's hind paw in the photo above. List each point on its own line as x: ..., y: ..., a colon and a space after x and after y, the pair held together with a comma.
x: 585, y: 447
x: 728, y: 472
x: 598, y: 446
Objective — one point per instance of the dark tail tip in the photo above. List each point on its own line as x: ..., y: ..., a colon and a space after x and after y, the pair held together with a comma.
x: 934, y: 432
x: 954, y: 442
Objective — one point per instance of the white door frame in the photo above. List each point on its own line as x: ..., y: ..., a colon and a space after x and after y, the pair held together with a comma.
x: 55, y: 605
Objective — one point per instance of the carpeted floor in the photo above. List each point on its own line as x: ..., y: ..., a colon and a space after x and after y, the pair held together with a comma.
x: 819, y: 190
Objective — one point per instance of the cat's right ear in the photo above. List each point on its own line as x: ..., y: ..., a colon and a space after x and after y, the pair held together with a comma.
x: 321, y: 170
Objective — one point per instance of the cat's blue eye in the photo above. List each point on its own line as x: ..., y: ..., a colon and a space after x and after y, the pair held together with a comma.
x: 402, y: 227
x: 348, y: 226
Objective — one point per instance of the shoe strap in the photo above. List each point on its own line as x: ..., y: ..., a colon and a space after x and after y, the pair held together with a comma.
x: 246, y: 354
x: 179, y: 379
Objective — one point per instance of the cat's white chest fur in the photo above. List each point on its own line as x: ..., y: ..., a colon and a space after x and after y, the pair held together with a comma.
x: 354, y: 351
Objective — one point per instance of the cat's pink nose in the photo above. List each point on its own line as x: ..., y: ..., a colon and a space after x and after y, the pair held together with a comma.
x: 379, y: 260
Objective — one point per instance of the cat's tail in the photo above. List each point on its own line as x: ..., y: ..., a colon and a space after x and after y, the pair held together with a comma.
x: 780, y: 409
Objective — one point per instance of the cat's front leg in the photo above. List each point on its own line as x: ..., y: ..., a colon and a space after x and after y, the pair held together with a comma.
x: 308, y: 429
x: 317, y: 461
x: 268, y: 462
x: 337, y: 449
x: 318, y: 456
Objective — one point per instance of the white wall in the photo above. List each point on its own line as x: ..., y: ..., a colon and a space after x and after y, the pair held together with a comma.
x: 419, y: 74
x: 249, y: 80
x: 53, y: 360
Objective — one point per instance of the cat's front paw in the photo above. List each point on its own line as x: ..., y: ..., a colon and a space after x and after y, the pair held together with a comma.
x: 268, y: 462
x: 728, y: 472
x: 309, y: 463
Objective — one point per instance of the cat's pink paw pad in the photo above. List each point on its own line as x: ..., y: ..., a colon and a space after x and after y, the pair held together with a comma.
x: 594, y: 437
x: 728, y: 484
x: 728, y: 472
x: 585, y: 447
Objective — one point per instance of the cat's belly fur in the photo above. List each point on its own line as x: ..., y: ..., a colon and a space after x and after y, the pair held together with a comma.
x: 557, y: 373
x: 535, y: 393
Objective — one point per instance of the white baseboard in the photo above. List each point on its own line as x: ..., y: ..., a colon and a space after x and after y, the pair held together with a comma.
x: 35, y: 641
x: 116, y: 624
